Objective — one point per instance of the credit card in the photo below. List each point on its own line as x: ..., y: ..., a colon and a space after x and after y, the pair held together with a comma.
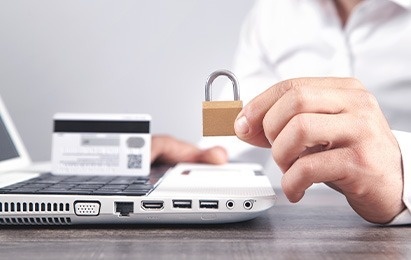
x: 101, y: 144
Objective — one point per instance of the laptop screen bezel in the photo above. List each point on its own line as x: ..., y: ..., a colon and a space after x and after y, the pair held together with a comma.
x: 23, y: 159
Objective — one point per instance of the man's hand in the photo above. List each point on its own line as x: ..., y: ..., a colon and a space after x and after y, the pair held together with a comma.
x: 329, y: 130
x: 168, y: 150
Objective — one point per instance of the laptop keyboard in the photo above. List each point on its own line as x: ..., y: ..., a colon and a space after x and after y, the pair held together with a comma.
x: 82, y: 185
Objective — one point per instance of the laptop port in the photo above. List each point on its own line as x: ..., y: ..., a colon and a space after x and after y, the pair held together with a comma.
x: 230, y: 204
x: 248, y: 204
x: 208, y: 204
x: 124, y: 208
x: 152, y: 205
x: 182, y: 204
x: 87, y: 208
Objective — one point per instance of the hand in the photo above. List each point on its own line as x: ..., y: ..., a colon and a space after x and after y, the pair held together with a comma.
x: 329, y: 130
x: 168, y: 150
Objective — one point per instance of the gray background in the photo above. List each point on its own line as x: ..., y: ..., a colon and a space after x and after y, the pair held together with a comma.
x: 119, y: 56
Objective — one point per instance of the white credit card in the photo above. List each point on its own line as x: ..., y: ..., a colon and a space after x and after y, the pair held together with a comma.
x: 103, y: 144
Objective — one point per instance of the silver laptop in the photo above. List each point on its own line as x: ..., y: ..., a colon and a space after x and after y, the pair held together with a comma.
x: 183, y: 194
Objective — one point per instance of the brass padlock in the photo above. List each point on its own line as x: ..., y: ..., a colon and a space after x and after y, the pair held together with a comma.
x: 219, y: 116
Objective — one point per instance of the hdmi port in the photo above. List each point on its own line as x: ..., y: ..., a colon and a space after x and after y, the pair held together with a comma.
x: 152, y: 205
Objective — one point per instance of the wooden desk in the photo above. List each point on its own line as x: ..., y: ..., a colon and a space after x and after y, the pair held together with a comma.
x: 321, y: 226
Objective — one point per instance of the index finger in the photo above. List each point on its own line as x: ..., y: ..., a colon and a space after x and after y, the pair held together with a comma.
x: 249, y: 123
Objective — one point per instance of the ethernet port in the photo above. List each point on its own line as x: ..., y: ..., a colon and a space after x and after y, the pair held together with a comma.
x: 124, y: 208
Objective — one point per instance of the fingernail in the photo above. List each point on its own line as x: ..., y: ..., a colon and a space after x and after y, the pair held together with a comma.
x: 241, y: 125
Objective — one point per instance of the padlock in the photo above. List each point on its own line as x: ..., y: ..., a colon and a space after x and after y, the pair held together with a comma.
x: 219, y: 116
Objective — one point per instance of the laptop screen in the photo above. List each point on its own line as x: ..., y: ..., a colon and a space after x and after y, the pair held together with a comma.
x: 13, y: 154
x: 7, y: 150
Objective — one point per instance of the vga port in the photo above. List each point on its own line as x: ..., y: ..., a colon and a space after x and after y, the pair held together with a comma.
x: 87, y: 208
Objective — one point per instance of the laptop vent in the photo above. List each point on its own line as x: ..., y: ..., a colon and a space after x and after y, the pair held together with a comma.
x: 35, y: 221
x: 34, y: 207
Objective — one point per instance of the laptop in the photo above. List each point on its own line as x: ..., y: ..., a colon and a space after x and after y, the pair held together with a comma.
x: 181, y: 194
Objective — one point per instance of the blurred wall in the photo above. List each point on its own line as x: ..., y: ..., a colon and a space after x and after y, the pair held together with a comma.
x: 117, y: 56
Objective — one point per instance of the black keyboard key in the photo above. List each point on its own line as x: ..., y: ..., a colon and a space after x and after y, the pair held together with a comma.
x: 140, y: 187
x: 82, y: 185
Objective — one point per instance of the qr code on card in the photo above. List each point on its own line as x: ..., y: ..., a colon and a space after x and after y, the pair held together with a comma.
x: 134, y: 161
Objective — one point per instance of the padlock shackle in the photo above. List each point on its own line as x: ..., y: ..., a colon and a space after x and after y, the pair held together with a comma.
x: 215, y: 75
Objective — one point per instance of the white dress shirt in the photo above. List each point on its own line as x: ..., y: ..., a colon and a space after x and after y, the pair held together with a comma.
x: 284, y: 39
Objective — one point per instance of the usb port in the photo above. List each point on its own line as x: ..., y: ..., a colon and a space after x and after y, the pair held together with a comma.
x: 152, y: 204
x: 208, y: 204
x: 182, y: 204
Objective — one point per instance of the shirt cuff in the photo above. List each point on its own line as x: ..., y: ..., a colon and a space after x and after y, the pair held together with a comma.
x: 404, y: 142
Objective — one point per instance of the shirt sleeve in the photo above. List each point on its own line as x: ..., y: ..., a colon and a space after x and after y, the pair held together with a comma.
x: 404, y: 141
